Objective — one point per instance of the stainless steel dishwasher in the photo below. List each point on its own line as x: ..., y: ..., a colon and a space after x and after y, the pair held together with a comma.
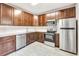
x: 20, y: 41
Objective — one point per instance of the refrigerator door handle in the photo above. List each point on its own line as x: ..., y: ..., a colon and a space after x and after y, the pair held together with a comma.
x: 67, y: 28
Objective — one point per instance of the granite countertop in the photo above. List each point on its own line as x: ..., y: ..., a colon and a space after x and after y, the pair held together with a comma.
x: 9, y: 31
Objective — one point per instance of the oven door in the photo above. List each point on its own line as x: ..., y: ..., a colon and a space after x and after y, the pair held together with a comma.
x: 48, y: 37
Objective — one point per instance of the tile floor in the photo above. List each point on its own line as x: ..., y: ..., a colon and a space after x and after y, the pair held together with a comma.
x: 49, y: 43
x: 39, y: 49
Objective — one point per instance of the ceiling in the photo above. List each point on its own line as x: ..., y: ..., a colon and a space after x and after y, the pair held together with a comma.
x: 40, y: 7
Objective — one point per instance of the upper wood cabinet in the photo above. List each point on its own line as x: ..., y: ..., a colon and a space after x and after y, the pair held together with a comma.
x: 18, y: 17
x: 30, y: 20
x: 12, y: 16
x: 22, y: 18
x: 27, y: 19
x: 66, y: 13
x: 70, y: 12
x: 62, y: 14
x: 6, y: 14
x: 42, y: 20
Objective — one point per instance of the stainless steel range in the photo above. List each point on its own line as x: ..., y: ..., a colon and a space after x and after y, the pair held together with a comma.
x: 49, y: 36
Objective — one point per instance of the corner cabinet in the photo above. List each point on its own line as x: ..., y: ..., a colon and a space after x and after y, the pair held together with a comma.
x: 30, y: 38
x: 35, y: 36
x: 7, y: 45
x: 42, y: 20
x: 6, y: 15
x: 40, y: 37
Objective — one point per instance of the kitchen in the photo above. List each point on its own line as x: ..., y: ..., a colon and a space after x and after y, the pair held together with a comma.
x: 19, y: 29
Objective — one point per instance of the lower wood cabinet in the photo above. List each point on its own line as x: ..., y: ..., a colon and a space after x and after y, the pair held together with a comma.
x: 7, y: 45
x: 30, y: 38
x: 57, y: 40
x: 34, y: 36
x: 41, y: 37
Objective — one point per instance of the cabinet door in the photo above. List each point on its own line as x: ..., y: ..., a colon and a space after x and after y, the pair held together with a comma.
x: 17, y: 17
x: 7, y: 15
x: 56, y: 40
x: 40, y: 37
x: 7, y: 44
x: 62, y: 14
x: 67, y: 13
x: 8, y: 47
x: 42, y: 20
x: 31, y: 20
x: 70, y: 12
x: 27, y: 19
x: 27, y: 39
x: 30, y: 38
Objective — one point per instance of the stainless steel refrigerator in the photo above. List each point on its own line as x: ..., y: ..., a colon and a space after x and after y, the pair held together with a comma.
x: 68, y: 35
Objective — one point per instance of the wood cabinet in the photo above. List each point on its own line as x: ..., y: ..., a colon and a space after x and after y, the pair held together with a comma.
x: 7, y: 44
x: 18, y: 17
x: 23, y: 19
x: 57, y: 40
x: 41, y: 37
x: 6, y: 14
x: 70, y: 12
x: 67, y: 13
x: 30, y: 38
x: 42, y: 20
x: 12, y: 16
x: 62, y: 14
x: 34, y: 36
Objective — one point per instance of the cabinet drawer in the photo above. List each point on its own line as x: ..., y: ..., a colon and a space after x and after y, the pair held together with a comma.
x: 7, y: 38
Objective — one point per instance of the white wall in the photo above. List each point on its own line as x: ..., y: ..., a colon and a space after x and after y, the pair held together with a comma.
x: 77, y: 17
